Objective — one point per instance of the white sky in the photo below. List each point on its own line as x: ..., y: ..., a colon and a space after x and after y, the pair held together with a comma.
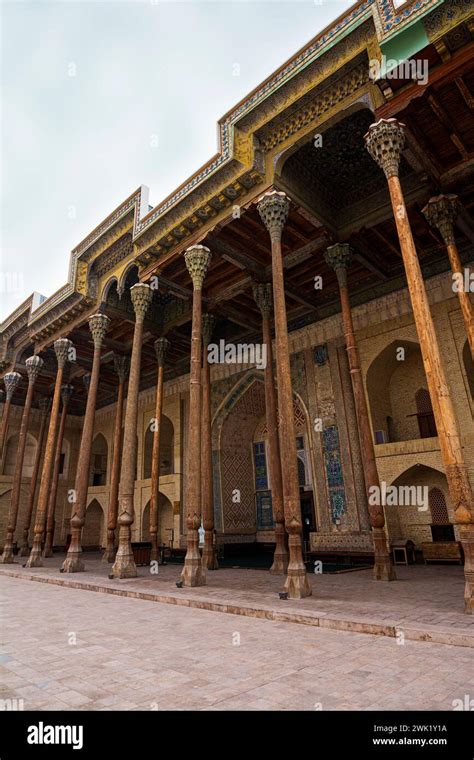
x: 146, y: 71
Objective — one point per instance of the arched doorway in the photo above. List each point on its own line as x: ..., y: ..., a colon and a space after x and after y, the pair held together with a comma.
x: 399, y: 401
x: 92, y: 534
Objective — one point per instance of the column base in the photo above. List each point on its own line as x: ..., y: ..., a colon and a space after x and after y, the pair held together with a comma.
x: 297, y: 583
x: 7, y: 558
x: 35, y: 559
x: 110, y: 550
x: 193, y: 574
x: 466, y: 534
x: 280, y: 557
x: 24, y: 551
x: 383, y: 568
x: 209, y: 556
x: 73, y: 564
x: 124, y: 565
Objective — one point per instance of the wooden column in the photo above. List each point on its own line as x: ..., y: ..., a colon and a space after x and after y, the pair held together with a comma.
x: 66, y: 393
x: 273, y: 209
x: 161, y: 347
x: 209, y: 556
x: 441, y: 212
x: 98, y: 325
x: 62, y: 348
x: 197, y: 262
x: 339, y: 257
x: 33, y: 368
x: 44, y: 405
x: 121, y: 364
x: 11, y: 380
x: 385, y: 142
x: 263, y: 297
x: 124, y: 565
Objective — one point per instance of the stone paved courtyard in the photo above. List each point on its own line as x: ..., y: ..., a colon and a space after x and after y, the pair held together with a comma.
x: 99, y: 651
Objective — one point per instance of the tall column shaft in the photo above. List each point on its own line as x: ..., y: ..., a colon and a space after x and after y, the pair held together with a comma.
x: 441, y: 212
x: 209, y: 556
x: 338, y: 257
x: 73, y: 563
x: 262, y: 295
x: 121, y: 365
x: 61, y: 347
x: 197, y: 261
x: 24, y: 549
x: 161, y: 346
x: 66, y: 393
x: 385, y: 141
x: 124, y: 565
x: 33, y: 367
x: 273, y: 208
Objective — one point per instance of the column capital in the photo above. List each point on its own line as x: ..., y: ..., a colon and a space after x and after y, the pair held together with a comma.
x: 122, y: 366
x: 339, y: 257
x: 34, y: 365
x: 11, y: 380
x: 273, y: 208
x: 441, y: 211
x: 207, y: 328
x: 66, y: 393
x: 385, y: 141
x: 197, y: 258
x: 161, y: 346
x: 62, y: 347
x: 262, y: 293
x: 141, y: 296
x: 86, y: 379
x: 98, y: 325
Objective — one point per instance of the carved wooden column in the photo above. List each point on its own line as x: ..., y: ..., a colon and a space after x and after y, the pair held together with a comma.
x: 121, y: 364
x: 339, y: 257
x: 66, y: 393
x: 385, y: 142
x: 98, y: 325
x: 273, y: 209
x: 124, y: 565
x: 263, y: 297
x: 197, y: 262
x: 161, y: 348
x: 11, y: 380
x: 62, y: 348
x: 44, y: 405
x: 209, y: 556
x: 441, y: 212
x: 33, y: 368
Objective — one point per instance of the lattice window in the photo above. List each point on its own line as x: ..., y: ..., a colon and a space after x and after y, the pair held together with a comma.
x: 438, y: 508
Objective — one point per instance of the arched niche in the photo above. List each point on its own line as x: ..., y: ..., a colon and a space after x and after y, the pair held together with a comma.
x: 11, y: 451
x: 165, y: 521
x: 92, y: 533
x: 99, y: 460
x: 166, y: 448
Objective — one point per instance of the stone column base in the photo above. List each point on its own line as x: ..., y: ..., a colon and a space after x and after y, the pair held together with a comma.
x: 35, y: 559
x: 297, y: 583
x: 383, y: 568
x: 193, y: 574
x: 73, y: 563
x: 280, y: 557
x: 124, y: 565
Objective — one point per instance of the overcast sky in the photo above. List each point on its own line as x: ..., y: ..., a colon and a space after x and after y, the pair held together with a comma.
x: 101, y: 97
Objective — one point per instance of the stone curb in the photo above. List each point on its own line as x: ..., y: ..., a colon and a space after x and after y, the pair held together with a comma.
x: 262, y: 612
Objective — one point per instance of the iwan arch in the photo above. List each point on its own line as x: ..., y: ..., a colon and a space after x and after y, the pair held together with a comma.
x: 115, y: 429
